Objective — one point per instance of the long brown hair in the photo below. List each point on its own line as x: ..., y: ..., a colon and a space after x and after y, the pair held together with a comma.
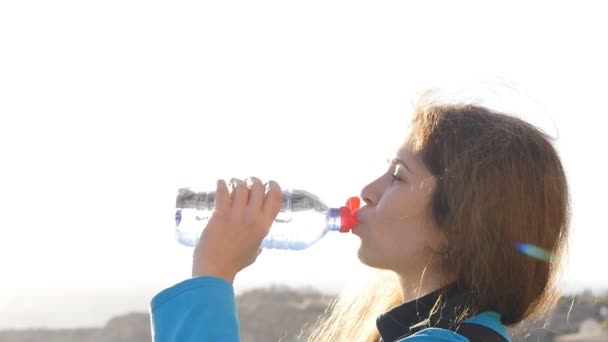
x: 501, y: 185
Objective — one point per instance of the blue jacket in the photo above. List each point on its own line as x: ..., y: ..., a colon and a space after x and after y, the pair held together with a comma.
x: 204, y: 309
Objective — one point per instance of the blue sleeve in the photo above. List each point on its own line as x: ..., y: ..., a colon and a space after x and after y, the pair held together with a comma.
x: 197, y: 309
x: 435, y: 335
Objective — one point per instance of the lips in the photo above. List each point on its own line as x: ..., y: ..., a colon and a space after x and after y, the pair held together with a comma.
x: 360, y: 230
x: 360, y: 221
x: 360, y: 215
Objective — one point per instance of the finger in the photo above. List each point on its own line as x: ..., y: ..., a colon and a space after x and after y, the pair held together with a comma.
x: 231, y: 188
x: 222, y: 200
x: 240, y: 194
x: 256, y: 194
x: 273, y: 201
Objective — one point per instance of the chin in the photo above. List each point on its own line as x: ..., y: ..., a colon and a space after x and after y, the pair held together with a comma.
x: 375, y: 260
x: 367, y: 258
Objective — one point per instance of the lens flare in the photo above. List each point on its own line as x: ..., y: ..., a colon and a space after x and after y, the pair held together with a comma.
x: 534, y: 251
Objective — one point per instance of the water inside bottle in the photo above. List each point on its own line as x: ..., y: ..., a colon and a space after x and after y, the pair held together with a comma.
x: 291, y: 230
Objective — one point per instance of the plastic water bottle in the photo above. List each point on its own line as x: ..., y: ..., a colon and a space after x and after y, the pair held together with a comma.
x: 303, y: 220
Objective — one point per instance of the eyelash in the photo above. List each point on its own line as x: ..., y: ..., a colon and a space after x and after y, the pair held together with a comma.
x: 396, y: 178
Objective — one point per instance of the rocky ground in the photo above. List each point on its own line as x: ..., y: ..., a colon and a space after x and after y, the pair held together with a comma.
x: 282, y: 314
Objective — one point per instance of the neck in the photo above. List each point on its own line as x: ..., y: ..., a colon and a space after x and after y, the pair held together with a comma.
x: 418, y: 284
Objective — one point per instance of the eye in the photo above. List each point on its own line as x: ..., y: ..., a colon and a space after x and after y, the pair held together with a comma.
x: 393, y: 171
x: 395, y: 175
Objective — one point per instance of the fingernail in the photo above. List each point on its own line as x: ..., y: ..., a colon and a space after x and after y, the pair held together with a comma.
x: 266, y: 187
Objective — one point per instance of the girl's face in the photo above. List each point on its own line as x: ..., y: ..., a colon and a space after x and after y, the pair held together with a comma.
x: 395, y: 226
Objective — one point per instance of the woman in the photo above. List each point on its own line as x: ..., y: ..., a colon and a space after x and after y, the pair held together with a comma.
x: 471, y: 218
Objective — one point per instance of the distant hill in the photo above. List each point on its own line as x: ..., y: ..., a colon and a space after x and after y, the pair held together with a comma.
x: 284, y: 314
x: 565, y: 319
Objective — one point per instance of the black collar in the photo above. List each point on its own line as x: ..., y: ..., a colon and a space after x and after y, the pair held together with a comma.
x: 411, y: 317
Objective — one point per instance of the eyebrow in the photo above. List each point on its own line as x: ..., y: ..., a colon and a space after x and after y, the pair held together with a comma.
x: 399, y: 161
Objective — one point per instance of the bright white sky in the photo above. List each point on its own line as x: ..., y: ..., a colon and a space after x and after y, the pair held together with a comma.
x: 108, y: 107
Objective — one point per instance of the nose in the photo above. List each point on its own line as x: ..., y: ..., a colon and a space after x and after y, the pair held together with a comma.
x: 369, y: 196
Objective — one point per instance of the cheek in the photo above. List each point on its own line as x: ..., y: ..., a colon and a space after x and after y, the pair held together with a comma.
x: 400, y: 208
x: 400, y: 222
x: 402, y: 240
x: 393, y: 247
x: 400, y: 230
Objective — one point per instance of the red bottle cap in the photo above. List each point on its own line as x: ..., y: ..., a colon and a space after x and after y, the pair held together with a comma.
x: 347, y: 214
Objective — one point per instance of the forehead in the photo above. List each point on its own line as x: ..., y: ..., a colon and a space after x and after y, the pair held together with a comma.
x: 411, y: 160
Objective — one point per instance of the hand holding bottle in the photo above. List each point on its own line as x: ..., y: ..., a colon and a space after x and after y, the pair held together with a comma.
x: 239, y: 222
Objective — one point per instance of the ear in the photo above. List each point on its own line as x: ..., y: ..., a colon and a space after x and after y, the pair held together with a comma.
x: 442, y: 240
